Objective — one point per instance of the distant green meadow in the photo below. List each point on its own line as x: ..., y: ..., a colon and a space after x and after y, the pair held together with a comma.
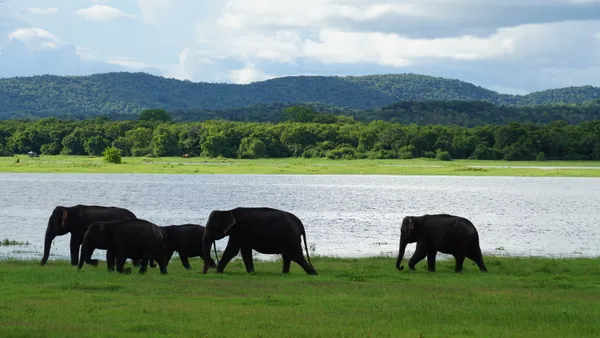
x: 368, y: 297
x: 199, y: 165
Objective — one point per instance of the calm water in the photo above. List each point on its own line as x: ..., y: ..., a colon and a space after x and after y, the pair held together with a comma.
x: 347, y: 216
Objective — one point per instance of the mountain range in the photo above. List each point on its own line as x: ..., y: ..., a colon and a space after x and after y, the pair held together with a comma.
x: 125, y: 94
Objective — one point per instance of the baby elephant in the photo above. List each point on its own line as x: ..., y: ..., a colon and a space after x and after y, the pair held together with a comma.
x: 186, y: 239
x: 131, y: 238
x: 444, y: 233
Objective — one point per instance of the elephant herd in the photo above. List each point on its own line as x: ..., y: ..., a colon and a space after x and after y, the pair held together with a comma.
x: 266, y: 230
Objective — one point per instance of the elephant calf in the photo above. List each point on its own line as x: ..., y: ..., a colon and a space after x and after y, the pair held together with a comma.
x: 131, y: 238
x: 448, y: 234
x: 266, y: 230
x: 186, y: 239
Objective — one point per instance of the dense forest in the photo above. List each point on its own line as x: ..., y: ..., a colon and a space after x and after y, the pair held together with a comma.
x: 123, y: 95
x: 155, y: 134
x: 462, y: 113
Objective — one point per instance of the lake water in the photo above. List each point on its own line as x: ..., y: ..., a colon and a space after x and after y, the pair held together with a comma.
x: 345, y: 216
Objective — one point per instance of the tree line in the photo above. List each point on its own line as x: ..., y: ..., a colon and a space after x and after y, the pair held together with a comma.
x: 154, y: 134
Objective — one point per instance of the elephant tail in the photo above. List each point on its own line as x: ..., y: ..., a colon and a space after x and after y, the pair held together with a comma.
x: 306, y: 246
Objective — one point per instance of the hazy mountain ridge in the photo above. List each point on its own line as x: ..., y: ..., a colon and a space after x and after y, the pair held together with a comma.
x: 388, y: 97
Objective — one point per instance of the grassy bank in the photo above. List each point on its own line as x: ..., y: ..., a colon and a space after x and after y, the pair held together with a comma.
x: 175, y: 165
x: 518, y: 297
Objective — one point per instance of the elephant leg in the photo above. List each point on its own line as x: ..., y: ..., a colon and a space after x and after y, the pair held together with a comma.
x: 460, y: 259
x: 110, y: 260
x: 74, y: 244
x: 135, y: 262
x: 431, y: 260
x: 146, y: 257
x: 170, y: 253
x: 247, y: 257
x: 162, y: 264
x: 228, y: 254
x: 477, y: 257
x: 121, y: 258
x: 299, y: 258
x: 184, y: 261
x: 419, y: 255
x: 286, y: 264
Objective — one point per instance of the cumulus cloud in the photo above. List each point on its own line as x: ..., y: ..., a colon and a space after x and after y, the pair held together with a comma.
x: 509, y: 45
x: 483, y: 39
x: 248, y: 74
x: 102, y: 13
x: 35, y: 51
x: 35, y: 38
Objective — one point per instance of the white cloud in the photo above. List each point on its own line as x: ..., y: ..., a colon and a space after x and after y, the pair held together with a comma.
x: 51, y: 10
x: 248, y: 74
x: 129, y: 62
x: 35, y: 38
x: 103, y: 12
x: 197, y: 65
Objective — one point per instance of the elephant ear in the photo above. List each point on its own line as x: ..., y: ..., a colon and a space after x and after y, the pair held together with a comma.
x: 65, y: 215
x: 231, y: 225
x: 411, y: 225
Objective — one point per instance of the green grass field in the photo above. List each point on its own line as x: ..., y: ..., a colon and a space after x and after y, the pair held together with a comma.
x: 518, y: 297
x: 175, y: 165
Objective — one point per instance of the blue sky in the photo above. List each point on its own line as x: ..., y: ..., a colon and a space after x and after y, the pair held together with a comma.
x: 512, y: 46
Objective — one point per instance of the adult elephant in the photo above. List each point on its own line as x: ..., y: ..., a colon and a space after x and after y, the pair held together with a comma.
x: 444, y: 233
x: 76, y: 220
x: 186, y: 239
x: 128, y: 238
x: 266, y: 230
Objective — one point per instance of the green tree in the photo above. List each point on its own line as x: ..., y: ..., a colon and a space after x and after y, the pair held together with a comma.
x: 165, y: 142
x: 95, y: 145
x: 156, y: 115
x: 251, y: 147
x: 214, y: 145
x: 300, y: 114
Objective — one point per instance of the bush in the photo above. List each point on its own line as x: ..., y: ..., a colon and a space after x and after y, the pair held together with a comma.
x: 112, y: 155
x: 346, y: 153
x: 540, y: 156
x: 50, y: 148
x: 442, y: 155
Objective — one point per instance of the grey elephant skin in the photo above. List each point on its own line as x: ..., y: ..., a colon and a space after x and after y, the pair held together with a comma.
x: 131, y: 238
x: 186, y: 239
x: 76, y: 220
x: 443, y: 233
x: 266, y: 230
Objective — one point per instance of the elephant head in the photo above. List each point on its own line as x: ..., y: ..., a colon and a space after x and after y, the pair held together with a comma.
x: 219, y: 224
x: 408, y: 234
x: 58, y: 224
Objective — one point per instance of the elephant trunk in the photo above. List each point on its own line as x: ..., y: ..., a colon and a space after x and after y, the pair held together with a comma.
x: 47, y: 244
x: 401, y: 251
x: 85, y: 254
x: 206, y: 244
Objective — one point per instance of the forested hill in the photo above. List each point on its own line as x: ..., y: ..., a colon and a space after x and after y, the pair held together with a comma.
x: 129, y: 93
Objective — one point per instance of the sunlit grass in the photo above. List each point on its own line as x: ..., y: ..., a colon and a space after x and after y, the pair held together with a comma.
x: 175, y: 165
x: 518, y: 297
